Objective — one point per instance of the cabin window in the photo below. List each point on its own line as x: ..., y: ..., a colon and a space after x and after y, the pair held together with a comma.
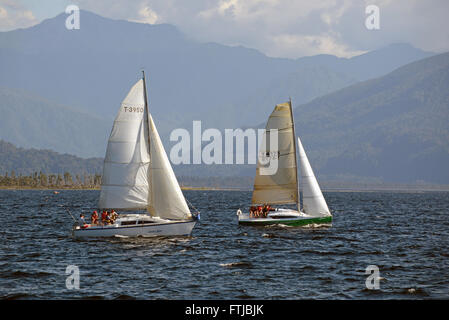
x: 144, y: 222
x: 127, y: 223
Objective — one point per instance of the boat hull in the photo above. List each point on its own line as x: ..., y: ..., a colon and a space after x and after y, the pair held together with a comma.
x: 175, y: 228
x: 281, y: 216
x: 293, y: 222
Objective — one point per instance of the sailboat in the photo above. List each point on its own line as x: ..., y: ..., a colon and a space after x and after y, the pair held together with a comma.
x: 137, y: 176
x: 282, y: 187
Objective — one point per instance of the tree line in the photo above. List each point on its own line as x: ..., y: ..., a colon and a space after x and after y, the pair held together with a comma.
x: 51, y: 180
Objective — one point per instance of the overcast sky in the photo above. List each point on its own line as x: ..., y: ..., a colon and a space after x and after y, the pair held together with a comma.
x: 278, y: 28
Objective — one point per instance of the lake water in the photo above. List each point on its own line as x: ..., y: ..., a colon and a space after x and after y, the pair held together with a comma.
x: 406, y: 235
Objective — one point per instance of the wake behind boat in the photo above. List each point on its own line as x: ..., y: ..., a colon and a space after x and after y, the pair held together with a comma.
x: 137, y: 176
x: 282, y: 187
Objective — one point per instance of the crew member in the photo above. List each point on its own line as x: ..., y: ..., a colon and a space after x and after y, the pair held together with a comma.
x: 94, y: 217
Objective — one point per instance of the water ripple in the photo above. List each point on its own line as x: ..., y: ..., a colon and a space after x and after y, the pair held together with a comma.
x: 405, y: 234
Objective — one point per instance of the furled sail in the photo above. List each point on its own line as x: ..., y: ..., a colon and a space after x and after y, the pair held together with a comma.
x: 281, y: 185
x: 313, y: 200
x: 165, y: 199
x: 125, y: 171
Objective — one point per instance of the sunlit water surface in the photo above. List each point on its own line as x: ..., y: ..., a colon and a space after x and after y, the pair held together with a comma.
x: 406, y: 235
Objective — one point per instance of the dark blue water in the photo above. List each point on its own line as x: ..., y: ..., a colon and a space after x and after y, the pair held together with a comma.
x: 405, y: 234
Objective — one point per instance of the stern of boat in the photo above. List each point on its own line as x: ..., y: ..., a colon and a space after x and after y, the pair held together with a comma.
x: 241, y: 215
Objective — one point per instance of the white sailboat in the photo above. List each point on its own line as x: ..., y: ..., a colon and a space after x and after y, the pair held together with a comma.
x: 282, y: 187
x: 137, y: 176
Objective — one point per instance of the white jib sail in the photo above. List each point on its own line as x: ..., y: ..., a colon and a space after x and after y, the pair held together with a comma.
x: 165, y: 199
x: 125, y: 171
x: 282, y: 186
x: 314, y: 203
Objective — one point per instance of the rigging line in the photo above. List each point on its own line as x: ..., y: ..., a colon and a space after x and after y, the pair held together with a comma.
x: 192, y: 205
x: 71, y: 214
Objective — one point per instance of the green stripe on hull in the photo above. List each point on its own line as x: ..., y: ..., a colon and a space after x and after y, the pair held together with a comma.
x: 288, y: 222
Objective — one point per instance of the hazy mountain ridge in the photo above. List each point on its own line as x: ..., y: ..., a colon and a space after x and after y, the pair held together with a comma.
x: 22, y: 162
x: 389, y: 129
x: 354, y: 132
x: 27, y: 161
x: 92, y: 69
x: 31, y: 121
x: 393, y: 127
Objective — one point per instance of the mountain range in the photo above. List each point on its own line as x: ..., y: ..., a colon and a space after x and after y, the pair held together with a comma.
x: 380, y: 116
x: 90, y: 70
x: 389, y: 129
x: 392, y: 128
x: 28, y: 161
x: 31, y: 121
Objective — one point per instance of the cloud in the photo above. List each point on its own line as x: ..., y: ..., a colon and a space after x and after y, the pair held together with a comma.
x: 146, y: 15
x: 279, y: 28
x: 13, y: 15
x: 132, y: 10
x: 289, y: 44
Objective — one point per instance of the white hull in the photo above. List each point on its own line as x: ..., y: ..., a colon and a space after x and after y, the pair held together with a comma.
x: 159, y: 229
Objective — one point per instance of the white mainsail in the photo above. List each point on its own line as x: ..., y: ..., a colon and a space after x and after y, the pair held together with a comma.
x: 165, y: 199
x: 137, y: 173
x: 313, y: 200
x: 282, y: 186
x: 125, y: 171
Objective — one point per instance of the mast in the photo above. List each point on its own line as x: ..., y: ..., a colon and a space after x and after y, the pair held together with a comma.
x: 145, y: 97
x: 294, y: 144
x: 146, y: 108
x: 145, y: 89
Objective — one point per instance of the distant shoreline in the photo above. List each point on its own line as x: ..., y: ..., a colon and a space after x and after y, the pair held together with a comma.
x: 214, y: 189
x: 398, y: 189
x: 394, y: 190
x: 46, y: 188
x: 98, y: 188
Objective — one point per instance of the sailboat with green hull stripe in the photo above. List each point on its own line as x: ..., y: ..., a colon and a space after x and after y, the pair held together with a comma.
x: 277, y: 182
